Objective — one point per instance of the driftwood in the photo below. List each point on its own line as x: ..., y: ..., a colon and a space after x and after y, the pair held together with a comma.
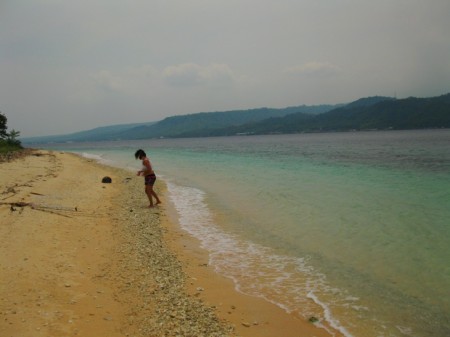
x: 16, y: 204
x: 43, y: 208
x: 68, y: 212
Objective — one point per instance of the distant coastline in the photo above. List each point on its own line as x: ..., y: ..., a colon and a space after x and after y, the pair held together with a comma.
x: 365, y: 114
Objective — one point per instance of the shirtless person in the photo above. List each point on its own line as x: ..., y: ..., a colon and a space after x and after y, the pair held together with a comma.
x: 149, y: 175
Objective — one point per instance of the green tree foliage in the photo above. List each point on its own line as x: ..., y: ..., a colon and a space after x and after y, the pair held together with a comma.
x: 13, y: 138
x: 3, y: 128
x: 8, y: 140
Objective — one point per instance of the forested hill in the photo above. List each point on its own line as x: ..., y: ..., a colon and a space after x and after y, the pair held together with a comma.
x: 206, y: 123
x: 177, y: 125
x: 371, y: 113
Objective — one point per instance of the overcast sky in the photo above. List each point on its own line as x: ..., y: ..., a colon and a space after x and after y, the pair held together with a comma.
x: 68, y: 66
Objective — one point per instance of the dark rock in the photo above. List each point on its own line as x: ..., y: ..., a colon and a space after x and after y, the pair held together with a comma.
x: 106, y: 180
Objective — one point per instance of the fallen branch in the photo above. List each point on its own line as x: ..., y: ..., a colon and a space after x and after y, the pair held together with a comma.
x: 17, y: 204
x: 47, y: 211
x: 60, y: 210
x: 41, y: 208
x: 35, y: 193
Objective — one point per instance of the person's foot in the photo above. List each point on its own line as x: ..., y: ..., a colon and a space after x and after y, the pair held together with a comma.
x: 158, y: 202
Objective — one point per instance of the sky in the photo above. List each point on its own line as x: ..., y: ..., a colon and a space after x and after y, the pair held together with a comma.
x: 67, y: 66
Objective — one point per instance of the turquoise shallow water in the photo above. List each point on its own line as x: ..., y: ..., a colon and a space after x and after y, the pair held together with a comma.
x: 352, y: 228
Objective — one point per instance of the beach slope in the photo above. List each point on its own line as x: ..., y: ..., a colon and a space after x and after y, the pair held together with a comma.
x: 70, y: 263
x: 79, y: 257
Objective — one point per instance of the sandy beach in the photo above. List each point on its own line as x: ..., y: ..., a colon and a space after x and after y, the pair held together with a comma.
x: 82, y: 258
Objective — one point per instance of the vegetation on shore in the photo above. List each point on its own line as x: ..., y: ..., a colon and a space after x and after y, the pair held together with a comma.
x: 9, y: 142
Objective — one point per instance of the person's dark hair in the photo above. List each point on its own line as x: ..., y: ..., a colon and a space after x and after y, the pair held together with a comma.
x: 139, y: 153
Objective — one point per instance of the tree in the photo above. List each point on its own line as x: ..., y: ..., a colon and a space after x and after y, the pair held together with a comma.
x: 8, y: 140
x: 3, y: 128
x: 12, y: 138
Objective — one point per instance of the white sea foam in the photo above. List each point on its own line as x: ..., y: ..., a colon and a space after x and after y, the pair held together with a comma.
x: 98, y: 158
x: 335, y: 324
x: 256, y: 270
x: 91, y: 156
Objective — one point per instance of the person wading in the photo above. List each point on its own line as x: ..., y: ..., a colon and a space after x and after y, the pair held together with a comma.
x: 149, y: 176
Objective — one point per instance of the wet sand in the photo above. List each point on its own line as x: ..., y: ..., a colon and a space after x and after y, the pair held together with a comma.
x: 83, y: 258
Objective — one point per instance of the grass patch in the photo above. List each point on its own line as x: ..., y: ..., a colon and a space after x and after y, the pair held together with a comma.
x: 9, y: 151
x: 5, y: 148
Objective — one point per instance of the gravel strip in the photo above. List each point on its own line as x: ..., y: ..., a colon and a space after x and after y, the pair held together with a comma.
x: 153, y: 275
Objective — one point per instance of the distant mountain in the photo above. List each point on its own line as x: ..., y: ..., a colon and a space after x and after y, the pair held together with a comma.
x: 370, y: 113
x: 373, y: 113
x: 368, y: 101
x: 112, y: 132
x: 409, y: 113
x: 205, y: 123
x: 177, y: 126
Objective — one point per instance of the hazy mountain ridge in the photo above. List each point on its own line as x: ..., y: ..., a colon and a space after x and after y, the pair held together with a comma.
x: 368, y: 113
x: 177, y: 125
x: 200, y: 124
x: 111, y: 132
x: 372, y: 113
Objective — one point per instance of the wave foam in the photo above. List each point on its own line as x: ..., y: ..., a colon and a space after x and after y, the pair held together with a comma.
x: 288, y: 282
x: 98, y: 158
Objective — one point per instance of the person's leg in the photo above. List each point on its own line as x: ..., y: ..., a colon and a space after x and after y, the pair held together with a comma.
x: 153, y: 193
x: 148, y: 191
x: 156, y: 197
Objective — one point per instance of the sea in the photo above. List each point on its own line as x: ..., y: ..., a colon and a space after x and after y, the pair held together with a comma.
x: 350, y: 229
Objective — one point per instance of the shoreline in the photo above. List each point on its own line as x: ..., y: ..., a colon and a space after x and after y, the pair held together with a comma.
x: 153, y: 277
x: 250, y: 316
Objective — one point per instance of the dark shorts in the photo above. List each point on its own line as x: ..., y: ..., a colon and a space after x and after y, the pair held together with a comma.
x: 150, y: 179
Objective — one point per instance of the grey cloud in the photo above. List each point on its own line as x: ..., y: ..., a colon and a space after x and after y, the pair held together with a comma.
x: 157, y: 58
x: 189, y: 74
x: 315, y: 69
